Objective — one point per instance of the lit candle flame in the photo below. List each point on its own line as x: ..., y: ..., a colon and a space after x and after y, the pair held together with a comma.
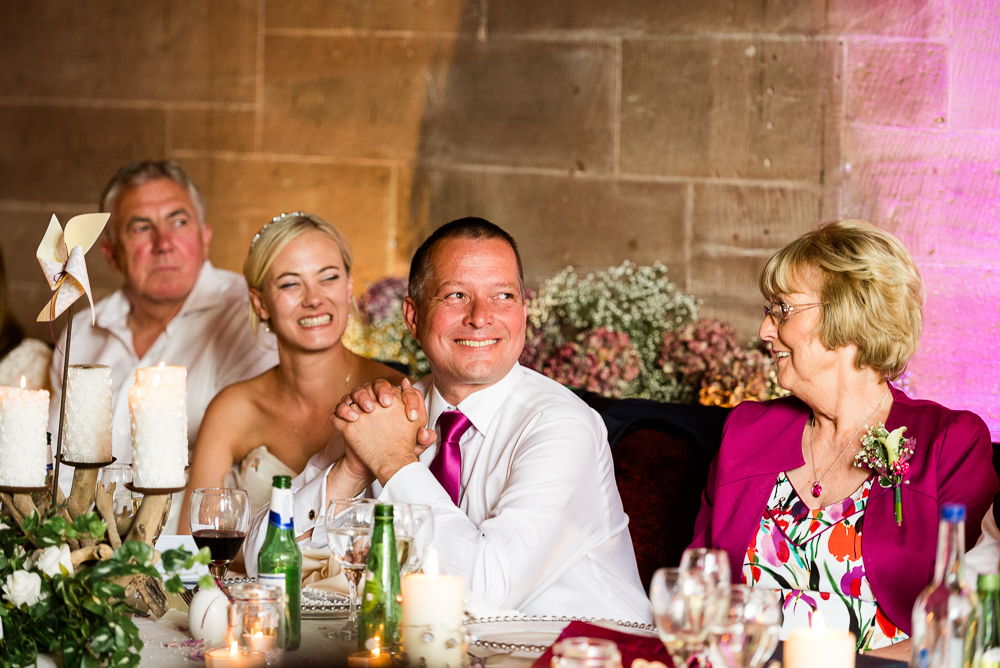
x: 156, y: 380
x: 431, y: 567
x: 234, y: 649
x: 163, y: 365
x: 258, y: 635
x: 24, y: 383
x: 377, y: 648
x: 817, y: 623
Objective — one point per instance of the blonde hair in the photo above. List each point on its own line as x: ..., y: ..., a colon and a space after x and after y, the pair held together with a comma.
x: 872, y: 291
x: 274, y: 236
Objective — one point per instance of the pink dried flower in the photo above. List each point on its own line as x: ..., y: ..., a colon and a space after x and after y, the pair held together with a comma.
x: 707, y: 356
x: 383, y: 299
x: 601, y: 361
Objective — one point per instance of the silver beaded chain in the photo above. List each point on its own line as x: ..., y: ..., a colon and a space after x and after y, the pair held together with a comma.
x: 535, y: 649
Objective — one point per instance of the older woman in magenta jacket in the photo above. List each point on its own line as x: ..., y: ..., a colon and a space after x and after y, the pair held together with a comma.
x: 785, y: 497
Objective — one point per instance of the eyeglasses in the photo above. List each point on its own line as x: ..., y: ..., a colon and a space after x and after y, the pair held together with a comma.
x: 780, y: 310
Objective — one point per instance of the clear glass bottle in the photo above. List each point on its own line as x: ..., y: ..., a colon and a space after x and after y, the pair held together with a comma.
x: 279, y: 562
x: 381, y: 608
x: 947, y: 617
x: 989, y: 597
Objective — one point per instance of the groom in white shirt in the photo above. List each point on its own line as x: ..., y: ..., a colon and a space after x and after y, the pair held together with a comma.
x: 520, y: 482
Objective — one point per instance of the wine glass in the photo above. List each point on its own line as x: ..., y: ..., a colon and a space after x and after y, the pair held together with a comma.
x: 685, y: 604
x: 747, y: 635
x: 349, y: 534
x: 122, y: 502
x: 714, y: 564
x: 413, y: 524
x: 219, y: 518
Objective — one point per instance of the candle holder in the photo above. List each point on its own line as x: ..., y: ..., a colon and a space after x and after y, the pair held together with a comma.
x: 87, y: 465
x: 83, y: 491
x: 7, y: 489
x: 257, y: 619
x: 234, y: 657
x: 435, y: 645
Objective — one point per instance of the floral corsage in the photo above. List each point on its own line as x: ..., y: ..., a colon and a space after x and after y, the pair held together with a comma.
x: 887, y: 453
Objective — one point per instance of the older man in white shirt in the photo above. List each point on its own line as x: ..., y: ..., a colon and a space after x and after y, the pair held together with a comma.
x: 173, y: 307
x: 521, y: 482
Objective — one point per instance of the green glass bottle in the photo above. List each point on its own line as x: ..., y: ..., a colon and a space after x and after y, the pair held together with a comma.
x: 279, y: 562
x: 381, y: 609
x: 989, y: 596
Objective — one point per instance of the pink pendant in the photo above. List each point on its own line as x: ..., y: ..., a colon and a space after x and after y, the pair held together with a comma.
x: 817, y: 489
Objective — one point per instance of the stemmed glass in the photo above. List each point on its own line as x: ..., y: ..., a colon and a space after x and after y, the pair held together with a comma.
x: 685, y: 604
x: 349, y: 534
x: 748, y: 635
x: 413, y: 524
x: 123, y: 503
x: 219, y: 519
x: 714, y: 564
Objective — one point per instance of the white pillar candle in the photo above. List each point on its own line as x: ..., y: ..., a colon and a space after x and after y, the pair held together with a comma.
x: 433, y: 604
x: 159, y: 435
x: 168, y: 375
x: 87, y: 425
x: 24, y: 451
x: 820, y: 647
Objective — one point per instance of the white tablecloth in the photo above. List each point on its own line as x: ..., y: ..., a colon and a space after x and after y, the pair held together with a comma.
x: 162, y: 636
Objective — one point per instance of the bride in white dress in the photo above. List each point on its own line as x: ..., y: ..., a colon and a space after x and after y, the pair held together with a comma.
x: 299, y: 274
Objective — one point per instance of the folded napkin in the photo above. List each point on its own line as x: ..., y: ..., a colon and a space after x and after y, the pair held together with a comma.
x: 321, y: 570
x: 476, y: 607
x: 632, y: 647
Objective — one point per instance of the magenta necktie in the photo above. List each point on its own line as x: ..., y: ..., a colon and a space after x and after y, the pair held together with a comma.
x: 447, y: 463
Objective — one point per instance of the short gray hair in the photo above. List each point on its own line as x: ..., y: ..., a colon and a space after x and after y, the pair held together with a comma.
x: 143, y: 171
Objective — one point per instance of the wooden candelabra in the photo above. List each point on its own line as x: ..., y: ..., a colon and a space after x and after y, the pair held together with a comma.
x: 143, y: 592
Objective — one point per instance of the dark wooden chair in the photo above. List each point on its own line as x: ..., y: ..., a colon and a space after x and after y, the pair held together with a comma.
x: 662, y: 453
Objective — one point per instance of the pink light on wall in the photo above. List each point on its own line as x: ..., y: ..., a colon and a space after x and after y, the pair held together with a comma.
x: 924, y: 150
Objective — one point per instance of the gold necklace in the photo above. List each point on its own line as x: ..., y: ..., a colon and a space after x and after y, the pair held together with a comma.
x: 817, y: 488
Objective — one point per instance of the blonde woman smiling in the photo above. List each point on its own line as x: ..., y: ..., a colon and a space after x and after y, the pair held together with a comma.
x: 299, y: 275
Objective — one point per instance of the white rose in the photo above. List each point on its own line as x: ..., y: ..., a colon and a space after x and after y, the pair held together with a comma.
x: 49, y: 559
x: 23, y: 587
x: 2, y: 527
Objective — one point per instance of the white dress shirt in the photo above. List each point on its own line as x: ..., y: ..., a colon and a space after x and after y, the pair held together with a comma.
x: 539, y: 526
x: 210, y: 336
x: 984, y: 558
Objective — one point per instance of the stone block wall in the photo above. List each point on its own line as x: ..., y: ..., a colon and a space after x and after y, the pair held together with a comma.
x: 702, y: 133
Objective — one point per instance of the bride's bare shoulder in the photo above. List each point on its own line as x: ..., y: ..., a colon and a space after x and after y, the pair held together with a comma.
x: 369, y: 371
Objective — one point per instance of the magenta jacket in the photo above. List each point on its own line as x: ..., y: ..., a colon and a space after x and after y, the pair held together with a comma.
x: 953, y: 463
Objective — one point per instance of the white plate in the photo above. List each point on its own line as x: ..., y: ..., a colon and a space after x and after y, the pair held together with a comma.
x: 529, y: 637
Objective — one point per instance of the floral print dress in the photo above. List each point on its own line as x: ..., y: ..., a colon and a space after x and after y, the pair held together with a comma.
x: 814, y: 558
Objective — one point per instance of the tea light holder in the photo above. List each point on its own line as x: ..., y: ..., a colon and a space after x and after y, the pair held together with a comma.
x: 257, y: 619
x: 234, y: 657
x: 375, y: 658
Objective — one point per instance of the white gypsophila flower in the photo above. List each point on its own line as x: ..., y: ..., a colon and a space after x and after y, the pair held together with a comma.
x: 49, y: 560
x: 23, y: 588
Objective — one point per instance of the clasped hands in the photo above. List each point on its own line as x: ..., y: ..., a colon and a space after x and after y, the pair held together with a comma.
x: 383, y: 431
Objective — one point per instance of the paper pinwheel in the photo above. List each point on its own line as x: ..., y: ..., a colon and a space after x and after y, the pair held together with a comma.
x: 61, y: 255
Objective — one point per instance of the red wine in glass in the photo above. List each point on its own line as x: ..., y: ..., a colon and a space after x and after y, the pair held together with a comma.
x: 219, y: 519
x: 224, y: 545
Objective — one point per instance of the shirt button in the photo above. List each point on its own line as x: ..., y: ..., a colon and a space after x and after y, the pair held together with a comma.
x: 312, y: 514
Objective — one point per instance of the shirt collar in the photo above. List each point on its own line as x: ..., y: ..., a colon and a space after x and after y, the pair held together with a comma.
x: 209, y: 292
x: 481, y: 406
